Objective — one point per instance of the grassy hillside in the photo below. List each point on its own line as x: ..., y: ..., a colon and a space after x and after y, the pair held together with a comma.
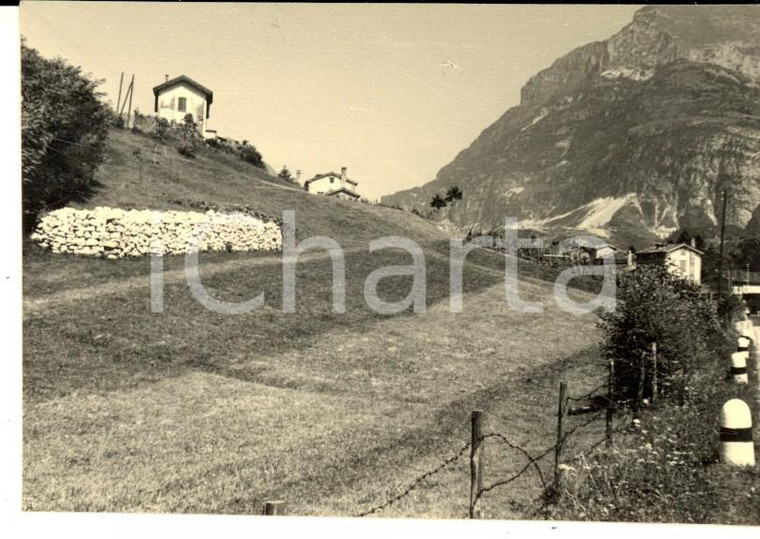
x: 193, y: 411
x: 224, y: 179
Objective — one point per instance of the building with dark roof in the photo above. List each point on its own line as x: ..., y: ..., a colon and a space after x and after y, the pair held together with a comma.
x: 681, y: 259
x: 332, y: 184
x: 180, y: 96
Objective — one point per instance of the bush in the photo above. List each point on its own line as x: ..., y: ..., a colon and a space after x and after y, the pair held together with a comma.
x: 730, y: 308
x: 188, y: 150
x: 63, y: 131
x: 163, y: 129
x: 190, y: 139
x: 653, y: 305
x: 669, y: 470
x: 249, y: 154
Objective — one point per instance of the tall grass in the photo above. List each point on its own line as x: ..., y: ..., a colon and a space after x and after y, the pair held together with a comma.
x: 669, y: 471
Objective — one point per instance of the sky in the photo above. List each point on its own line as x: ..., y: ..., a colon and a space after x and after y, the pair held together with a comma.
x: 393, y: 92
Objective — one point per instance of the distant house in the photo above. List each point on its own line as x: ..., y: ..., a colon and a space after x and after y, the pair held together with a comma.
x: 588, y: 251
x: 681, y: 259
x: 176, y: 98
x: 333, y: 185
x: 599, y: 252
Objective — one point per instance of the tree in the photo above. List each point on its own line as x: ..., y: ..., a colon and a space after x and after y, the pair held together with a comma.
x: 453, y: 194
x: 190, y: 138
x: 684, y: 235
x: 748, y: 253
x: 284, y: 174
x: 437, y: 202
x: 653, y: 305
x: 64, y: 126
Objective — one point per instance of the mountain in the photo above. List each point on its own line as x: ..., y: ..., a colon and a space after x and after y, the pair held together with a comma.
x: 629, y: 138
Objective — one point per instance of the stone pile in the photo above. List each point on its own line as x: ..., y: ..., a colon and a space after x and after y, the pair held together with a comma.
x: 115, y: 233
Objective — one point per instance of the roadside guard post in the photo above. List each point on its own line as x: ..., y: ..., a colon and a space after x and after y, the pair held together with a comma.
x: 736, y: 447
x: 746, y: 332
x: 739, y: 367
x: 742, y: 345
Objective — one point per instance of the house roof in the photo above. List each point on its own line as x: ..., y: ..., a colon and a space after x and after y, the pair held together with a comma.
x: 669, y: 247
x: 327, y: 174
x: 342, y: 190
x: 187, y: 80
x: 157, y: 90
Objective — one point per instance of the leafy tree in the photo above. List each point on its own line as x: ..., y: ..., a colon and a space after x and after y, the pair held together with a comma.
x: 453, y: 194
x: 438, y: 202
x: 748, y: 252
x: 64, y: 126
x: 654, y: 305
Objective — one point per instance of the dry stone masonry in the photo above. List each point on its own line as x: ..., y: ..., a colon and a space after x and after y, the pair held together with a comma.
x: 115, y: 233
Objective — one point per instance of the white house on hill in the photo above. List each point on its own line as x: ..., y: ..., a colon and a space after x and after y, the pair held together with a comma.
x: 332, y: 184
x: 177, y: 97
x: 681, y: 259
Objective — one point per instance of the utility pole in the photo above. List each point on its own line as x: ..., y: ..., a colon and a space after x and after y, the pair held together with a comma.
x: 722, y: 237
x: 121, y: 83
x: 131, y: 91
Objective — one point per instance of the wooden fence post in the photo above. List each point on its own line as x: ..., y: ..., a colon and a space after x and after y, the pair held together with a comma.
x: 561, y: 420
x: 640, y: 392
x: 274, y: 507
x: 654, y: 371
x: 610, y: 402
x: 476, y: 463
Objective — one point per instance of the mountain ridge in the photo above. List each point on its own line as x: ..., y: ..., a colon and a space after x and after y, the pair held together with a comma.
x: 640, y: 130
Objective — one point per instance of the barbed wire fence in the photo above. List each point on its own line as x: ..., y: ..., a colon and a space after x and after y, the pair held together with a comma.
x: 600, y: 402
x: 550, y: 488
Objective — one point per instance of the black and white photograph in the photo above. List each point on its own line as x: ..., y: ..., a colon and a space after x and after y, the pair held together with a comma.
x: 457, y: 267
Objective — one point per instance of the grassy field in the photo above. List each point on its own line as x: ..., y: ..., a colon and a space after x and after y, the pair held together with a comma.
x: 193, y: 411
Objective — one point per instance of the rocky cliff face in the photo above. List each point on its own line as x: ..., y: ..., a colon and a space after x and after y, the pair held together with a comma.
x: 629, y: 138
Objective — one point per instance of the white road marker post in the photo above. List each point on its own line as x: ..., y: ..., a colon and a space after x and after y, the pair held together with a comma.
x: 739, y: 367
x: 742, y: 345
x: 736, y: 446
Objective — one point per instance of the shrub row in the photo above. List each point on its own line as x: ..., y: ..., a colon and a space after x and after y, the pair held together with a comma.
x: 116, y: 233
x: 205, y: 205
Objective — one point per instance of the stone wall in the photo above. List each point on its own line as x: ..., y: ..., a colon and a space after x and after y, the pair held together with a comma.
x: 115, y: 233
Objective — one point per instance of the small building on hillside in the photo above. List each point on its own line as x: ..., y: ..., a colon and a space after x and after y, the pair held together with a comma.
x: 333, y: 185
x: 681, y: 259
x: 599, y: 252
x: 176, y: 98
x: 587, y: 250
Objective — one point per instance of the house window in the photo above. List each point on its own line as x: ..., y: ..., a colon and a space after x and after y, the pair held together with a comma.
x: 331, y: 179
x: 182, y: 104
